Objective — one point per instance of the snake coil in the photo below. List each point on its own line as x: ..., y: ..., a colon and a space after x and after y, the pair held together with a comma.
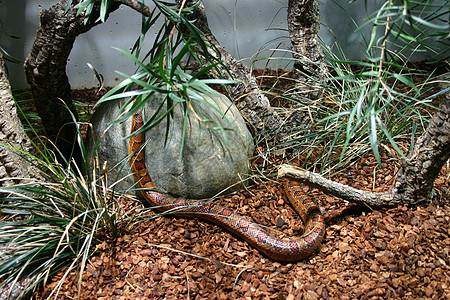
x: 278, y: 249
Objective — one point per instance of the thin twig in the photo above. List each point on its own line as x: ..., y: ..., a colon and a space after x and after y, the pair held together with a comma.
x: 383, y: 48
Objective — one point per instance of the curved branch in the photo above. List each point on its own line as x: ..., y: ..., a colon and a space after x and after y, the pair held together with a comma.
x: 45, y: 68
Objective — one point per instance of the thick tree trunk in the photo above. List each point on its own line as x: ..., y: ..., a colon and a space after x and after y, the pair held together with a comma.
x: 309, y: 68
x: 45, y: 68
x: 13, y: 169
x: 415, y: 179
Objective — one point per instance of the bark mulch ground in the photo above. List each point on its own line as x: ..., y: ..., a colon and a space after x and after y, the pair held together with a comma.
x: 398, y: 253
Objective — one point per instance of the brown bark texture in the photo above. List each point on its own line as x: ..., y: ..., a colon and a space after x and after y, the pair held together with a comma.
x: 415, y: 179
x: 309, y: 65
x: 13, y: 169
x: 309, y: 68
x: 45, y: 68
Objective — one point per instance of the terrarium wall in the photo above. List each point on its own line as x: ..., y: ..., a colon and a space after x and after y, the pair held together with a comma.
x: 249, y: 29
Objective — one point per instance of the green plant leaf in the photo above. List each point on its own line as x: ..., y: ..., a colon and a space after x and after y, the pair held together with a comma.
x: 373, y: 136
x: 406, y: 80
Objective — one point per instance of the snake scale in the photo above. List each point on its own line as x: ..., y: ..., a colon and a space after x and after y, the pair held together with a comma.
x: 278, y: 249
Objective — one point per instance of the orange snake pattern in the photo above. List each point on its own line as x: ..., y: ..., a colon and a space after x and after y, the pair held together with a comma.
x: 278, y: 249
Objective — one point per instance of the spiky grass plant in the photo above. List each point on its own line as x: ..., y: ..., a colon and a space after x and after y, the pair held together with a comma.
x: 376, y: 103
x: 54, y: 222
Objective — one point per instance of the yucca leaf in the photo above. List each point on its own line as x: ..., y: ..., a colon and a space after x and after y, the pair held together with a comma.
x: 389, y: 137
x: 373, y: 136
x: 429, y: 24
x: 103, y: 10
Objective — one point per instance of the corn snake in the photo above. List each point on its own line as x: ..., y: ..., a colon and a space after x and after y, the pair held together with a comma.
x: 281, y: 249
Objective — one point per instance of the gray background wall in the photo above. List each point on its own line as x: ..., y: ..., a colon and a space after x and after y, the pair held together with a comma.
x: 246, y: 28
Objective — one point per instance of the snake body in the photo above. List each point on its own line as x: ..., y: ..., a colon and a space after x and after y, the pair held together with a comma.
x: 281, y: 249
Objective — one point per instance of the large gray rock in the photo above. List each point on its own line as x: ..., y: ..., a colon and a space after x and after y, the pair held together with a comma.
x: 212, y: 159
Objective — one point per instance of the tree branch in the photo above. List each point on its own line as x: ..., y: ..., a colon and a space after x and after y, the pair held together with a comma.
x: 136, y: 5
x: 337, y: 189
x: 415, y: 179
